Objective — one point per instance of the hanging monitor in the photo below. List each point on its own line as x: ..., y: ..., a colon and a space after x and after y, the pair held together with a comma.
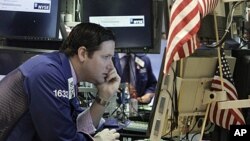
x: 132, y: 21
x: 33, y: 20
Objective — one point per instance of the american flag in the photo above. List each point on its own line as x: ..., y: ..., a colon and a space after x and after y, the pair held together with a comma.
x: 225, y: 117
x: 185, y: 20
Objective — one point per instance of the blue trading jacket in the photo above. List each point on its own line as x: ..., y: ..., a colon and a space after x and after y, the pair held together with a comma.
x: 145, y: 78
x: 51, y: 115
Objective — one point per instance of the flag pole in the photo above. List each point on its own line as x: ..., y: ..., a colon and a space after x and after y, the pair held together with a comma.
x: 221, y: 77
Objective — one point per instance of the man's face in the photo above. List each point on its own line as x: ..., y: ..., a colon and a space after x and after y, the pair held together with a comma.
x: 100, y: 64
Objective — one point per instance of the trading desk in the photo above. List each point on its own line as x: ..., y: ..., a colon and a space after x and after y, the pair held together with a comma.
x: 133, y: 133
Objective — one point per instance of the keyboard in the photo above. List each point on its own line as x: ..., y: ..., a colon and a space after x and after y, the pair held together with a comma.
x: 138, y: 126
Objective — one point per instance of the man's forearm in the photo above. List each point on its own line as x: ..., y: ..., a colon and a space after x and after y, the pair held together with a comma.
x: 96, y: 111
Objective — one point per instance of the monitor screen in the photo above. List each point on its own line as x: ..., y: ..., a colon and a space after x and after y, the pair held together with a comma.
x: 241, y: 76
x: 11, y: 58
x: 130, y: 20
x: 29, y: 19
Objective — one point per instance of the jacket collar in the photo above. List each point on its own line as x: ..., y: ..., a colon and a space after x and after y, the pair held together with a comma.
x: 66, y: 65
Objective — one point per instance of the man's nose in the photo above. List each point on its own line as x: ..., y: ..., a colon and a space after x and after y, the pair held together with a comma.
x: 110, y: 65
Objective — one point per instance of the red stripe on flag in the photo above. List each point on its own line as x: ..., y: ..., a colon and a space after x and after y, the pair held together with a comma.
x: 221, y: 116
x: 228, y: 118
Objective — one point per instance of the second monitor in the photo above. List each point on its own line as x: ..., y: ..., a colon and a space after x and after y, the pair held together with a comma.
x: 180, y: 97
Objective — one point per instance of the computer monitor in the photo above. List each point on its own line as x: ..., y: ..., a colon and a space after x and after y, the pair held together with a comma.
x: 29, y: 21
x: 137, y: 24
x: 12, y: 57
x: 241, y: 77
x: 179, y: 107
x: 32, y: 20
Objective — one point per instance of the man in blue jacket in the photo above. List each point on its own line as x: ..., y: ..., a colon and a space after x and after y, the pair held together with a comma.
x: 139, y: 75
x: 38, y: 100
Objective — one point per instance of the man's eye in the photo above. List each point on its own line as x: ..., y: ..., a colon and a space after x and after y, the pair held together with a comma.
x: 106, y: 57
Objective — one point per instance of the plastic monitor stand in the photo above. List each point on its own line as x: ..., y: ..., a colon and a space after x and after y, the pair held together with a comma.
x: 205, y: 67
x: 62, y: 30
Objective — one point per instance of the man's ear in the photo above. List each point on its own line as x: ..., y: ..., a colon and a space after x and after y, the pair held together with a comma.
x: 82, y: 53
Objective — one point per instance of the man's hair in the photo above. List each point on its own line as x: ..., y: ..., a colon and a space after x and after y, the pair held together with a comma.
x: 89, y: 35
